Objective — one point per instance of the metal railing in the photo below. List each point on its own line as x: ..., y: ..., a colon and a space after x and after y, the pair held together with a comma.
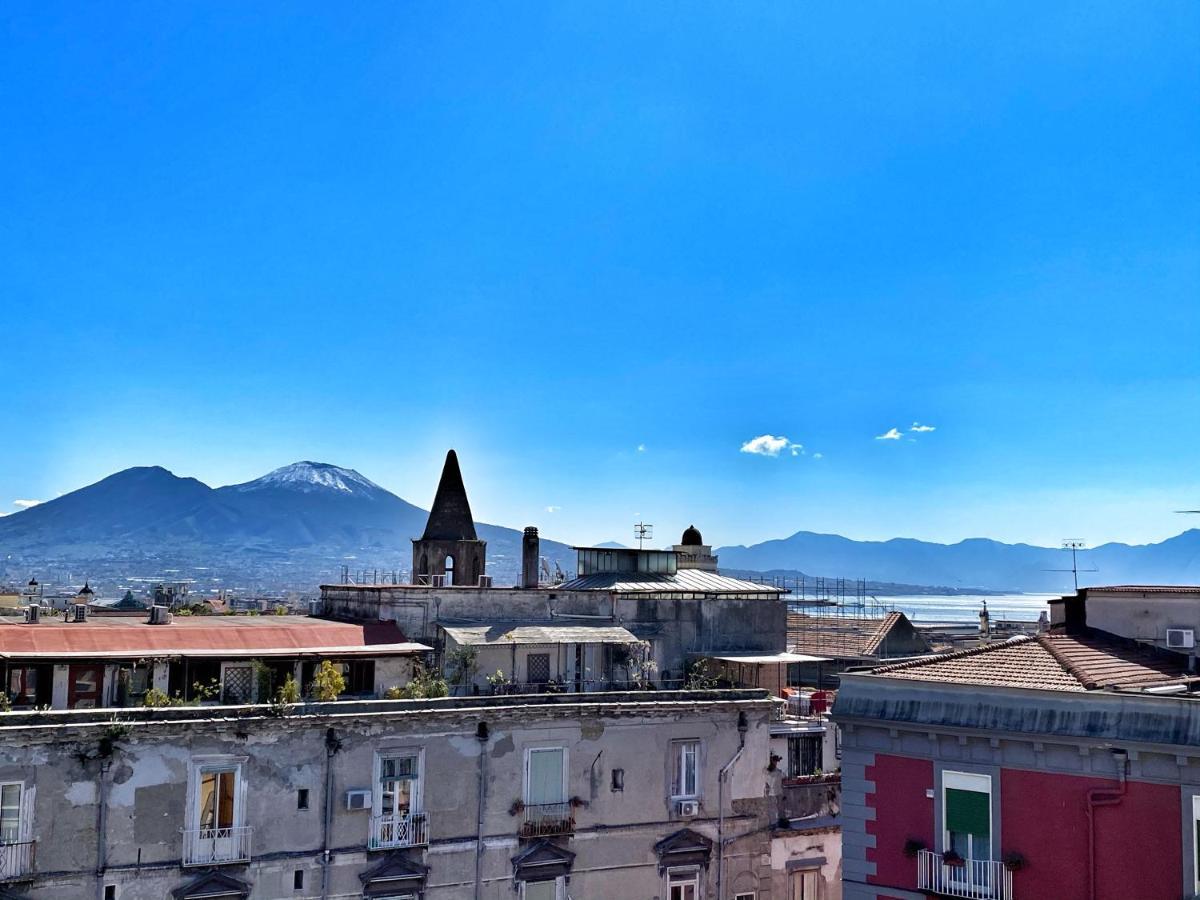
x: 978, y: 879
x: 401, y: 830
x: 16, y: 859
x: 547, y: 819
x: 211, y: 846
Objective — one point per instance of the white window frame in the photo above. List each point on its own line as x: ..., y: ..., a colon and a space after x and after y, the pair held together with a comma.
x: 566, y: 770
x: 560, y: 887
x: 746, y: 895
x: 418, y: 788
x: 798, y: 875
x: 677, y: 752
x: 968, y: 781
x: 686, y: 875
x: 1195, y: 842
x: 198, y: 767
x: 24, y: 811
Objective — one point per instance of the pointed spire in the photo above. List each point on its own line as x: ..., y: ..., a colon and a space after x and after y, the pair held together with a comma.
x: 450, y: 518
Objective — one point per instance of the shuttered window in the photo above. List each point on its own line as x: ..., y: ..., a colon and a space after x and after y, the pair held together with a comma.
x: 967, y: 812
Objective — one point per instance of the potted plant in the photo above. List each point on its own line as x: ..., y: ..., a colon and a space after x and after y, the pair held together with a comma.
x: 1013, y: 861
x: 951, y: 858
x: 912, y: 847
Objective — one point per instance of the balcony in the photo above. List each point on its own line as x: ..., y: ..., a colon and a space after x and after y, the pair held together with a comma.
x: 548, y: 819
x: 16, y: 859
x: 978, y: 879
x: 402, y: 830
x: 216, y: 846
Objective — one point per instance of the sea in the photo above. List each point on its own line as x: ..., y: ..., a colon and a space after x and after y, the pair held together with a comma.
x: 930, y: 608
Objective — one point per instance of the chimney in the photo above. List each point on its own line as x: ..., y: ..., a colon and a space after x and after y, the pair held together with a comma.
x: 530, y: 548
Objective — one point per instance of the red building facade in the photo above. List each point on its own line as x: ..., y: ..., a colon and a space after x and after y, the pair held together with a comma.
x: 1059, y: 767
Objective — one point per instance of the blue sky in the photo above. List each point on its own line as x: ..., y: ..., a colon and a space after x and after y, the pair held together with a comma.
x: 599, y: 248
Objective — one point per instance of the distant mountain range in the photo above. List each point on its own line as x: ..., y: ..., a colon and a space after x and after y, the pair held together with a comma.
x: 298, y: 525
x: 309, y: 513
x: 974, y: 563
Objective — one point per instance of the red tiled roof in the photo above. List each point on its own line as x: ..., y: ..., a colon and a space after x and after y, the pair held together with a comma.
x: 212, y: 635
x: 1055, y: 661
x: 839, y: 636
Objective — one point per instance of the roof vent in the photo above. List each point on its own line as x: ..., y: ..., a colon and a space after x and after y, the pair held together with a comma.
x: 33, y: 613
x: 79, y: 612
x: 160, y: 615
x: 1181, y: 638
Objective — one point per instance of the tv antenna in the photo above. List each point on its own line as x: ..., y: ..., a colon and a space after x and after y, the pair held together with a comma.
x: 642, y: 532
x: 1074, y: 545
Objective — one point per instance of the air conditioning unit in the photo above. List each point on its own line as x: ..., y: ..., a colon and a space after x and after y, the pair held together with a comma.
x: 689, y: 807
x: 358, y: 799
x: 316, y: 607
x: 160, y: 615
x: 485, y: 581
x: 80, y: 612
x: 33, y: 613
x: 1181, y: 638
x: 439, y: 580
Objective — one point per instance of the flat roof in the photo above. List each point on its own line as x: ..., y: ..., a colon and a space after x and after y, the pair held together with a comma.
x: 109, y: 637
x: 532, y: 633
x: 685, y: 581
x: 765, y: 658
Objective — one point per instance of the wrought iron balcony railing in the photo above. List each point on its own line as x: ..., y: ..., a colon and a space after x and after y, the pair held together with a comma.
x: 214, y: 846
x: 401, y: 830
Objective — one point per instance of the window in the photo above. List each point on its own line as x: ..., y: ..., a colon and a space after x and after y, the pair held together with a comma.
x: 967, y: 815
x: 618, y: 779
x: 1196, y: 839
x: 542, y: 890
x: 23, y: 684
x: 358, y: 676
x: 685, y: 776
x: 302, y: 798
x: 804, y: 755
x: 110, y: 892
x: 683, y: 884
x: 537, y: 667
x: 805, y: 884
x: 10, y: 813
x: 216, y: 831
x: 545, y: 776
x: 132, y: 684
x: 397, y: 820
x: 298, y: 880
x: 745, y: 895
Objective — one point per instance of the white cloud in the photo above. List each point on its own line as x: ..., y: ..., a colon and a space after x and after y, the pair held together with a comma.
x: 918, y: 427
x: 770, y: 445
x: 641, y: 448
x: 818, y: 456
x: 553, y: 509
x: 892, y: 434
x: 26, y: 504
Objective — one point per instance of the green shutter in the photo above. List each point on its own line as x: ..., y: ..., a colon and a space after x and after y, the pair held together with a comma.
x: 967, y: 812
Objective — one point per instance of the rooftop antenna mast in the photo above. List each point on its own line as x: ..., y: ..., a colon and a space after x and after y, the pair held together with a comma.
x: 1074, y: 545
x: 642, y: 532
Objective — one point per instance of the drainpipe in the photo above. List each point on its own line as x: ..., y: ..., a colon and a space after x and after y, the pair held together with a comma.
x: 742, y: 727
x: 481, y: 735
x: 101, y: 832
x: 332, y: 745
x: 1103, y: 797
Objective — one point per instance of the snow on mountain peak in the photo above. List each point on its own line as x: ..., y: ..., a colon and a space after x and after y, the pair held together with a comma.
x: 314, y: 476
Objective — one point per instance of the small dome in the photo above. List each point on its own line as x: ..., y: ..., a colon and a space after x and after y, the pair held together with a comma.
x: 33, y: 582
x: 85, y: 590
x: 691, y: 537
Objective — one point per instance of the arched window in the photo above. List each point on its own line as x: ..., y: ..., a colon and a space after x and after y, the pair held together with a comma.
x: 449, y: 569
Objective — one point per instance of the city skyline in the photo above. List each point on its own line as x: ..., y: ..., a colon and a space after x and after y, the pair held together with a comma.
x: 711, y: 269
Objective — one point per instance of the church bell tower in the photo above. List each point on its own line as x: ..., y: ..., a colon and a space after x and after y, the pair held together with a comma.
x: 449, y: 545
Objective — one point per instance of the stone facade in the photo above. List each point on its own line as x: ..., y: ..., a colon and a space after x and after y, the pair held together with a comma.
x: 122, y: 804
